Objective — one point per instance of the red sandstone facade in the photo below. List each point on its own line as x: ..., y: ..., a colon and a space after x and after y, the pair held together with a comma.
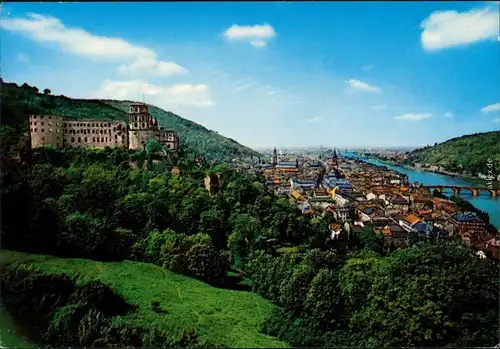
x: 60, y: 132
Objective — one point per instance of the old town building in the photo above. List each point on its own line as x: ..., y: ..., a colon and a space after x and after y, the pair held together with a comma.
x: 62, y: 132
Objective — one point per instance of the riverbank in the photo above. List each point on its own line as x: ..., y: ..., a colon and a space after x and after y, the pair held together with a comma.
x: 480, y: 182
x: 483, y: 202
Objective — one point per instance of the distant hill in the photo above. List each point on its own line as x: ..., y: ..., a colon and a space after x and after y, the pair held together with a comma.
x: 468, y: 154
x: 19, y: 101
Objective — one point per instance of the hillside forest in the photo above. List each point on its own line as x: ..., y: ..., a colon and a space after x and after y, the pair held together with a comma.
x: 114, y: 254
x: 463, y: 155
x: 26, y: 99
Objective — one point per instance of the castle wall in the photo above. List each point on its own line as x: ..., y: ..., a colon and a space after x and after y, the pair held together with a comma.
x: 138, y: 138
x: 168, y: 138
x: 46, y: 130
x: 57, y: 131
x: 95, y: 133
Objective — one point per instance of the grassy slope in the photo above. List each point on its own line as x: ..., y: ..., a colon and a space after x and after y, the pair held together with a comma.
x: 10, y: 335
x: 208, y: 143
x: 232, y: 318
x: 468, y: 151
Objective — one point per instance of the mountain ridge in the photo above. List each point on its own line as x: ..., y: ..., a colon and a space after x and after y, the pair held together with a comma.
x: 18, y: 101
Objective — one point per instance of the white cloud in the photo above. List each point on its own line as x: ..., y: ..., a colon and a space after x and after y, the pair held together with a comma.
x: 245, y: 83
x: 356, y: 85
x: 496, y: 120
x: 367, y: 67
x: 444, y: 29
x: 315, y: 119
x: 491, y: 108
x: 46, y: 29
x: 23, y: 58
x: 257, y: 35
x: 378, y: 107
x: 162, y: 96
x: 272, y: 93
x: 413, y: 117
x: 448, y: 115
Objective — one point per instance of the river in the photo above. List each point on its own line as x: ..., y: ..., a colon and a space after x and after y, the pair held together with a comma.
x: 484, y: 201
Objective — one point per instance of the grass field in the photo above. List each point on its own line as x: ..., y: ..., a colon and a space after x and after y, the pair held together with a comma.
x: 231, y: 318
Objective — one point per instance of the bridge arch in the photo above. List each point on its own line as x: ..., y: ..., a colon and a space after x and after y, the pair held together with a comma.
x: 458, y: 189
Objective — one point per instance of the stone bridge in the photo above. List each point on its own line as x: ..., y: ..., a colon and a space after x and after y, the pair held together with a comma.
x: 457, y: 189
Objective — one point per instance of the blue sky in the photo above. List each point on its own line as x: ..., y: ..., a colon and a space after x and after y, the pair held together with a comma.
x: 274, y: 74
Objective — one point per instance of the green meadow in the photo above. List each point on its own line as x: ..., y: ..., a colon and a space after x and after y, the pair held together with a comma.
x: 226, y: 317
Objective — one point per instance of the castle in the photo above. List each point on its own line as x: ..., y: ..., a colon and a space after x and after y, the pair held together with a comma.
x: 61, y: 132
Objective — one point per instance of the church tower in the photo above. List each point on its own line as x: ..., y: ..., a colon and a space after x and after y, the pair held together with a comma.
x: 275, y: 157
x: 140, y: 125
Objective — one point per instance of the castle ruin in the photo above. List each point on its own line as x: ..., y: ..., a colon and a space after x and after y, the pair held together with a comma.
x: 61, y: 132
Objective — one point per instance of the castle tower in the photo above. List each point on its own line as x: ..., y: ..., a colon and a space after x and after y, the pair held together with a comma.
x: 140, y: 125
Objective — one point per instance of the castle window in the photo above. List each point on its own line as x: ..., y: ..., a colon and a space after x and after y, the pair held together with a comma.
x: 72, y: 139
x: 41, y: 123
x: 143, y: 125
x: 43, y: 130
x: 79, y: 139
x: 85, y: 139
x: 102, y: 139
x: 106, y: 139
x: 100, y: 131
x: 93, y: 139
x: 114, y: 129
x: 50, y: 117
x: 34, y: 116
x: 88, y: 131
x: 116, y: 136
x: 43, y: 138
x: 31, y: 130
x: 35, y: 129
x: 50, y: 130
x: 50, y: 123
x: 41, y: 116
x: 135, y: 124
